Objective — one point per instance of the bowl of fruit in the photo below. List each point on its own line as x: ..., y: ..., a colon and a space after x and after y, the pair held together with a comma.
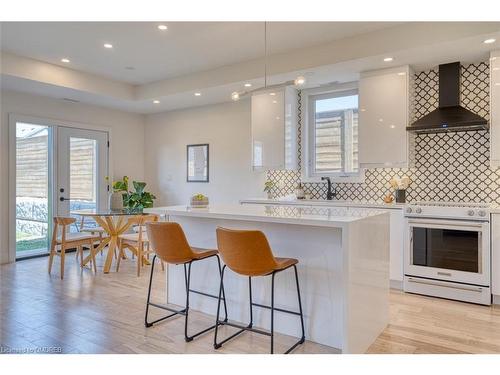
x: 199, y: 201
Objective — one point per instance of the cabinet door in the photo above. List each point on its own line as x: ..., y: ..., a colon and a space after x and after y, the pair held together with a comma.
x: 396, y: 245
x: 495, y: 254
x: 495, y: 109
x: 268, y: 130
x: 383, y: 118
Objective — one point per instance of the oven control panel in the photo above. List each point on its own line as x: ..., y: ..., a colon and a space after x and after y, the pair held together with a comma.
x: 456, y: 211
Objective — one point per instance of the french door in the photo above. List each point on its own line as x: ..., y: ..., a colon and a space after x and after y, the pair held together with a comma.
x: 82, y: 167
x: 54, y: 170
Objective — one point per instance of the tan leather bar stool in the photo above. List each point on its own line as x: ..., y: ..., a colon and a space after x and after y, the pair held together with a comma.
x: 247, y: 253
x: 169, y: 243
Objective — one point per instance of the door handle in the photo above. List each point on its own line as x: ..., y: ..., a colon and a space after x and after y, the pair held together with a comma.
x: 62, y: 199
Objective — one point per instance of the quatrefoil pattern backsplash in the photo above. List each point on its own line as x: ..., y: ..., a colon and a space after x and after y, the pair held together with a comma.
x: 450, y: 167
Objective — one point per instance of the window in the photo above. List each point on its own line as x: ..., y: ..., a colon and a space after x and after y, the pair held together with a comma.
x: 332, y: 127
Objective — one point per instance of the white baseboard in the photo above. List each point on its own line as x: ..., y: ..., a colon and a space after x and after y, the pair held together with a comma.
x: 496, y: 300
x: 397, y: 284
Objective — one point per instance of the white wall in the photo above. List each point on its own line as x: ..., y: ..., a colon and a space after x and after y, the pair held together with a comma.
x: 226, y: 128
x: 126, y: 136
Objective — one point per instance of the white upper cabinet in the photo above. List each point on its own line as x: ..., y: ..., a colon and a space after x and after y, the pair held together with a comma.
x: 274, y: 129
x: 384, y: 101
x: 495, y: 109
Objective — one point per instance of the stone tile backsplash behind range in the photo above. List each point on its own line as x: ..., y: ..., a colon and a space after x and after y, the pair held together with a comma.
x: 448, y: 166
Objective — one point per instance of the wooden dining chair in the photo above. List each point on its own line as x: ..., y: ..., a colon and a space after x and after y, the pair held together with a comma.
x: 62, y: 241
x: 137, y: 242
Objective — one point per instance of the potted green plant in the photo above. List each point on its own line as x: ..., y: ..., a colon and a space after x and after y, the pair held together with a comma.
x: 133, y: 200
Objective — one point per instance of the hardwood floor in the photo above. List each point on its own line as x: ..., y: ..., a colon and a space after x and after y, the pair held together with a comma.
x: 87, y: 313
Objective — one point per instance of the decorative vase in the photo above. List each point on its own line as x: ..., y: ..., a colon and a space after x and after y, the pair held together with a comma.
x: 400, y: 196
x: 115, y: 201
x: 269, y: 195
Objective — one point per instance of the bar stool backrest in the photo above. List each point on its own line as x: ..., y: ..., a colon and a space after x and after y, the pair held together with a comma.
x: 169, y: 242
x: 246, y: 252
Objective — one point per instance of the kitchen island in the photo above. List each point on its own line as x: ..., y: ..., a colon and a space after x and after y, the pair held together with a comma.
x: 343, y: 268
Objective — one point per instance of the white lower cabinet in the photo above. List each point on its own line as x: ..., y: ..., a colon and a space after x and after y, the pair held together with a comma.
x: 396, y: 250
x: 495, y: 256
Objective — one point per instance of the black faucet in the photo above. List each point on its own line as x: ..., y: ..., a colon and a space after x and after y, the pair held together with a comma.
x: 329, y: 194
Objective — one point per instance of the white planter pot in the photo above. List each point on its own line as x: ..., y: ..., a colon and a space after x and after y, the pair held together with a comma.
x: 116, y: 201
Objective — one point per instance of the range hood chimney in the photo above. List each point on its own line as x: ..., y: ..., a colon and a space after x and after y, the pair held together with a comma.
x: 450, y: 115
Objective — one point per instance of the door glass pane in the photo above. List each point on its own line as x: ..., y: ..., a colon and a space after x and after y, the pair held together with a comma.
x: 445, y: 248
x: 83, y: 175
x: 32, y: 189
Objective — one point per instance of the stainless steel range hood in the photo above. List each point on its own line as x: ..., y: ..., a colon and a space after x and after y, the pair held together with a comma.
x: 450, y: 115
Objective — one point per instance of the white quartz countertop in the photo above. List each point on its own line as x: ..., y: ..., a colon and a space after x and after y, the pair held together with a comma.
x: 314, y: 216
x: 320, y: 202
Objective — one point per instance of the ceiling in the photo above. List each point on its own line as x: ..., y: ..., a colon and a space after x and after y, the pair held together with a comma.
x: 184, y: 48
x: 215, y: 59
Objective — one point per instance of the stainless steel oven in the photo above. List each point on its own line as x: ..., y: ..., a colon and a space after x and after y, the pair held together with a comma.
x: 448, y: 258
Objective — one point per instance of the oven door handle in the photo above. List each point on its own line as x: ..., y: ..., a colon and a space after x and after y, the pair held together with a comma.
x: 434, y: 283
x: 442, y: 224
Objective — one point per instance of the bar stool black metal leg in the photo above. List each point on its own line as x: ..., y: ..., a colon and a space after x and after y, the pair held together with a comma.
x: 272, y: 312
x: 187, y: 276
x: 188, y: 281
x: 218, y: 322
x: 185, y: 311
x: 243, y: 328
x: 303, y: 337
x: 300, y: 305
x: 223, y: 292
x: 148, y: 302
x: 216, y: 345
x: 149, y: 294
x: 251, y: 302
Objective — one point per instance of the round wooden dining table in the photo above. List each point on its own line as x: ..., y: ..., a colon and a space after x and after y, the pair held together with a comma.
x: 114, y: 223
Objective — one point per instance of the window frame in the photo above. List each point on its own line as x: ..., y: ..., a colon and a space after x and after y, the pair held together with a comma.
x: 308, y: 132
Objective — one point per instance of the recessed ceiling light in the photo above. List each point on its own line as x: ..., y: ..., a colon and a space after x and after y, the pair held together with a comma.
x: 272, y: 93
x: 274, y: 102
x: 489, y: 41
x: 197, y: 94
x: 299, y: 81
x: 388, y: 59
x: 156, y: 102
x: 247, y: 85
x: 162, y: 27
x: 65, y: 60
x: 108, y: 45
x: 392, y: 126
x: 401, y: 73
x: 235, y: 95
